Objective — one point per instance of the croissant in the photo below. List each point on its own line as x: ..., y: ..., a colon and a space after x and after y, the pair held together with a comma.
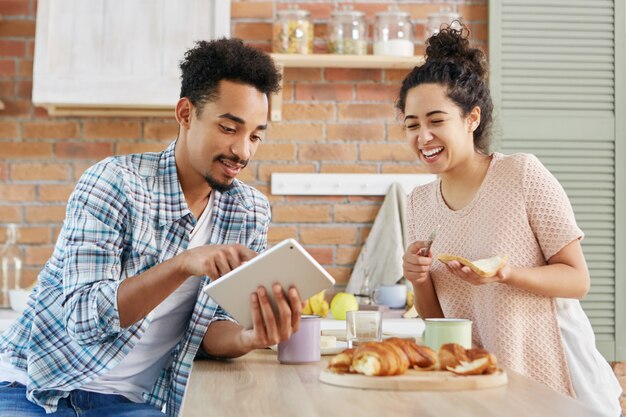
x: 341, y: 363
x: 379, y: 359
x: 420, y: 357
x: 450, y: 355
x: 479, y: 362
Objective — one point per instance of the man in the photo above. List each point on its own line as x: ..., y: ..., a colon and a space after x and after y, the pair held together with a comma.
x: 119, y: 314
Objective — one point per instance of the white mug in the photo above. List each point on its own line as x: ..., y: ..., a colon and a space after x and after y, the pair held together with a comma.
x: 393, y: 296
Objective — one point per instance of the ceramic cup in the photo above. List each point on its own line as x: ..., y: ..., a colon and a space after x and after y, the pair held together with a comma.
x: 304, y: 345
x: 440, y: 331
x: 393, y: 296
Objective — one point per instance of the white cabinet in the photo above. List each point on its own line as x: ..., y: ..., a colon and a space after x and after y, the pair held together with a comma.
x: 118, y: 56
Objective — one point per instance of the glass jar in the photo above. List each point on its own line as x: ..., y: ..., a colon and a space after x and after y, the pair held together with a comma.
x: 393, y: 34
x: 10, y: 264
x: 293, y: 32
x: 446, y: 15
x: 347, y: 33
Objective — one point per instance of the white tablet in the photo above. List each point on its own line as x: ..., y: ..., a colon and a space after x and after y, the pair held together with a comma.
x: 286, y: 263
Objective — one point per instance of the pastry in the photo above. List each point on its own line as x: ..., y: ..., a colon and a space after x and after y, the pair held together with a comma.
x: 379, y: 359
x: 420, y: 357
x: 450, y: 355
x: 341, y: 363
x: 487, y: 267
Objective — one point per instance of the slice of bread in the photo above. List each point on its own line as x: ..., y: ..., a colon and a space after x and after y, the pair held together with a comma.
x: 486, y: 267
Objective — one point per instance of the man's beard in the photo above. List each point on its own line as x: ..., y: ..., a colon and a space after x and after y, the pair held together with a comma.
x: 222, y: 187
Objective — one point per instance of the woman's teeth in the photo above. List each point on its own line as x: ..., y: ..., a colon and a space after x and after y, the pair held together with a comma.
x: 432, y: 152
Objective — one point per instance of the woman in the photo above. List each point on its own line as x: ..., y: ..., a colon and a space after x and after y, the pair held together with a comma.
x: 528, y: 314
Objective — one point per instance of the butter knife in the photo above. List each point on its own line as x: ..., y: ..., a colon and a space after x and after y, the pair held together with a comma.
x: 424, y: 251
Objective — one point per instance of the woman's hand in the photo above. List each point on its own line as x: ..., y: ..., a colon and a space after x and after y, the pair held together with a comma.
x: 416, y: 264
x: 467, y: 274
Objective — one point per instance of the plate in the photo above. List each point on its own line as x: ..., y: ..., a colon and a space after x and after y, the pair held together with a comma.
x: 340, y: 346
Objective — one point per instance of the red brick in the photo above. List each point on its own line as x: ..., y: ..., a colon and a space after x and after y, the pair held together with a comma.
x: 17, y: 192
x: 386, y: 152
x: 363, y: 234
x: 252, y: 10
x: 275, y: 152
x: 16, y: 108
x: 307, y: 111
x: 327, y: 152
x: 353, y: 213
x: 252, y: 31
x: 15, y: 7
x: 41, y: 113
x: 395, y: 75
x: 310, y: 199
x: 111, y: 130
x: 295, y: 132
x: 128, y: 148
x: 4, y: 171
x: 348, y: 169
x: 324, y: 92
x: 19, y: 150
x: 328, y: 235
x: 8, y: 130
x: 10, y: 213
x: 30, y: 48
x: 265, y: 189
x: 395, y: 130
x: 8, y: 68
x: 301, y: 213
x: 160, y: 131
x: 303, y: 74
x: 7, y: 88
x: 474, y: 12
x: 50, y: 130
x: 81, y: 150
x: 350, y: 111
x: 17, y: 28
x: 377, y: 92
x: 267, y: 169
x: 55, y: 192
x: 38, y: 255
x: 323, y: 255
x: 45, y: 214
x: 79, y: 167
x: 38, y: 171
x: 352, y: 74
x: 35, y: 235
x: 25, y: 68
x: 316, y: 10
x: 276, y: 234
x: 12, y: 48
x: 341, y: 275
x: 370, y: 9
x: 347, y: 255
x: 25, y: 89
x: 395, y: 168
x: 357, y: 132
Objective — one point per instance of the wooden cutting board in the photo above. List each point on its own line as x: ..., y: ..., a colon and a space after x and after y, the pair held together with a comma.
x: 415, y: 380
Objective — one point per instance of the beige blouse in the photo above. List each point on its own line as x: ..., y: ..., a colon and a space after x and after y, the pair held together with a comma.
x: 521, y: 211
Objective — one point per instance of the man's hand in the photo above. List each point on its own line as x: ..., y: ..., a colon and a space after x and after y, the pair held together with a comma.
x: 215, y: 260
x: 269, y: 328
x: 416, y: 264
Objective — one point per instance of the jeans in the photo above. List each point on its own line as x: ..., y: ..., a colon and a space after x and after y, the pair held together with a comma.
x: 13, y: 403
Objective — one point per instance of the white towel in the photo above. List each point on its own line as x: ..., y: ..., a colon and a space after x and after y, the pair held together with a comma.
x: 381, y: 255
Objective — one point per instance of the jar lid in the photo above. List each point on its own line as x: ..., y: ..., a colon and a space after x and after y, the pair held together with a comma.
x: 293, y: 12
x: 392, y: 13
x: 351, y: 13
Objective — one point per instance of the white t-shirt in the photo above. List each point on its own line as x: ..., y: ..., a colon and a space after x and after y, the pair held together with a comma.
x: 137, y: 372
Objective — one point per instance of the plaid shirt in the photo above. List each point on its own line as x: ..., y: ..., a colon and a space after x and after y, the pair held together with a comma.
x: 126, y: 215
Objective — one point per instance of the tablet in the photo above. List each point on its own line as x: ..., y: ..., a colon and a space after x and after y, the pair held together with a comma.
x: 286, y: 263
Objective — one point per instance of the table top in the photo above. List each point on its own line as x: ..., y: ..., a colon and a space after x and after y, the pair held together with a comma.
x: 257, y: 385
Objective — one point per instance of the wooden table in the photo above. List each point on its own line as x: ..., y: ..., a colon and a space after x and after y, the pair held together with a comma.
x: 257, y: 385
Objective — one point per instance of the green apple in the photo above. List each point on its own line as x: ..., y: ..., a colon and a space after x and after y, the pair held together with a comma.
x: 342, y: 302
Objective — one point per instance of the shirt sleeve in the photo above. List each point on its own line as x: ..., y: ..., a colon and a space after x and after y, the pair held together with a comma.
x: 93, y: 234
x: 549, y: 210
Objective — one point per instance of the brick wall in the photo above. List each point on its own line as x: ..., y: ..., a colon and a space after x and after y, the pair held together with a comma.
x: 335, y: 120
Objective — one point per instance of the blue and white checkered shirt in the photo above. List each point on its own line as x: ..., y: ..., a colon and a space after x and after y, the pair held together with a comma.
x: 126, y: 215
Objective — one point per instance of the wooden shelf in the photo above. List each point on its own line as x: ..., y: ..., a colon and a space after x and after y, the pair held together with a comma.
x: 346, y: 61
x: 335, y: 61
